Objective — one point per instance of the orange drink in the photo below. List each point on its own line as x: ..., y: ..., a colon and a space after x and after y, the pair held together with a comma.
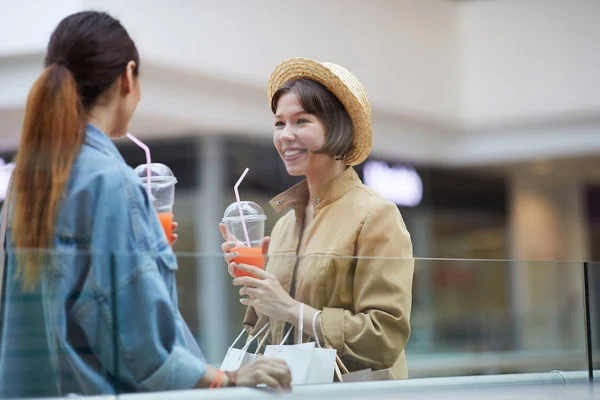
x: 166, y: 220
x: 249, y: 256
x: 159, y: 181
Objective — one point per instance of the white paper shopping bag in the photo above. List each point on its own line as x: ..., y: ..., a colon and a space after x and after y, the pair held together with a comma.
x: 298, y: 357
x: 322, y: 365
x: 309, y: 365
x: 237, y: 358
x: 323, y: 362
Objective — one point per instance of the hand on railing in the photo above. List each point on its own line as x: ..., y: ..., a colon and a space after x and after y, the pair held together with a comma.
x: 272, y: 372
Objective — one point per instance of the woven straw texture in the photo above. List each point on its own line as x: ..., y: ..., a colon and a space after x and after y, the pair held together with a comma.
x: 345, y: 86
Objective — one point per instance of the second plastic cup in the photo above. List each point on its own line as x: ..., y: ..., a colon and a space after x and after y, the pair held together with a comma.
x: 162, y: 189
x: 255, y: 218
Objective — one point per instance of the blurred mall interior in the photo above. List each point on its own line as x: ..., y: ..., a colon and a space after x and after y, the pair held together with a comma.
x: 486, y: 124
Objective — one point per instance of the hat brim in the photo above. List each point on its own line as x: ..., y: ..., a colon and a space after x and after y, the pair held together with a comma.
x: 303, y: 68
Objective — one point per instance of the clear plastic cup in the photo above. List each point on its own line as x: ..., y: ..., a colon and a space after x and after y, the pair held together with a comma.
x: 162, y: 193
x: 255, y: 218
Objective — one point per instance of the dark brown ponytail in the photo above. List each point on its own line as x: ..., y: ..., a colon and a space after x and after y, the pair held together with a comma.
x: 51, y: 138
x: 87, y: 53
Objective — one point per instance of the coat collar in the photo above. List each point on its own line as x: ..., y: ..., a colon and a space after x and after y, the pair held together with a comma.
x: 324, y: 194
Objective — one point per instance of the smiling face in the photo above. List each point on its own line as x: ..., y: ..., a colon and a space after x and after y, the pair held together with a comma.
x: 297, y: 136
x: 312, y: 130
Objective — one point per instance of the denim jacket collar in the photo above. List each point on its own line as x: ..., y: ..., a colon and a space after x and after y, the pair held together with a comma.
x: 97, y: 139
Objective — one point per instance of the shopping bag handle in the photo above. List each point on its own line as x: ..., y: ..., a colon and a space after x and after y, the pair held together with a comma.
x: 300, y: 327
x: 250, y: 340
x: 262, y: 342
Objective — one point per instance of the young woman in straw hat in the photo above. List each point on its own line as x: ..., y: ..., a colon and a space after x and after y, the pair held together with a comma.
x: 342, y: 250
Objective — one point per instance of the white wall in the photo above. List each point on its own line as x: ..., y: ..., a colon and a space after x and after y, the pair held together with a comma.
x: 529, y: 59
x: 26, y: 25
x: 404, y: 51
x: 470, y: 82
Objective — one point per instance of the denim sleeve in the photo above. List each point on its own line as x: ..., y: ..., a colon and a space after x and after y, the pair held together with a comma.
x: 130, y: 316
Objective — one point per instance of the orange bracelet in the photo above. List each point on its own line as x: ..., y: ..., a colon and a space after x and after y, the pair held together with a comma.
x: 216, y: 383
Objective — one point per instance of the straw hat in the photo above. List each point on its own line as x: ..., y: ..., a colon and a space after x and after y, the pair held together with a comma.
x: 345, y: 86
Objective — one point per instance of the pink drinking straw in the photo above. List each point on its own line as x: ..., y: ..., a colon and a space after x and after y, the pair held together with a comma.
x: 239, y: 204
x: 148, y: 160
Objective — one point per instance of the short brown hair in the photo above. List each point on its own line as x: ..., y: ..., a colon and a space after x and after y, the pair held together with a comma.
x: 318, y: 101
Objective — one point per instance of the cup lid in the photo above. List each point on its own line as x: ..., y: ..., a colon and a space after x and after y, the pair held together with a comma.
x: 250, y: 210
x: 158, y: 172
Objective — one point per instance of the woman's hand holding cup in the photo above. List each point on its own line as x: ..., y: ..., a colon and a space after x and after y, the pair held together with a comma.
x: 231, y: 256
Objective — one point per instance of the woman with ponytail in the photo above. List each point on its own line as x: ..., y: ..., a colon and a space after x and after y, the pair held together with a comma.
x: 89, y: 302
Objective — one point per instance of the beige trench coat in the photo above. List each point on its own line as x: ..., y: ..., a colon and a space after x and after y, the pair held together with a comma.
x: 353, y: 262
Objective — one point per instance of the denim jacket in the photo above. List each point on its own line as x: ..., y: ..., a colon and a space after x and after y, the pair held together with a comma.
x: 103, y: 317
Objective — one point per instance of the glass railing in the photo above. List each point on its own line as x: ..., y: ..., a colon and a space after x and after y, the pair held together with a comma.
x: 592, y: 316
x: 59, y: 336
x: 86, y: 327
x: 477, y: 317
